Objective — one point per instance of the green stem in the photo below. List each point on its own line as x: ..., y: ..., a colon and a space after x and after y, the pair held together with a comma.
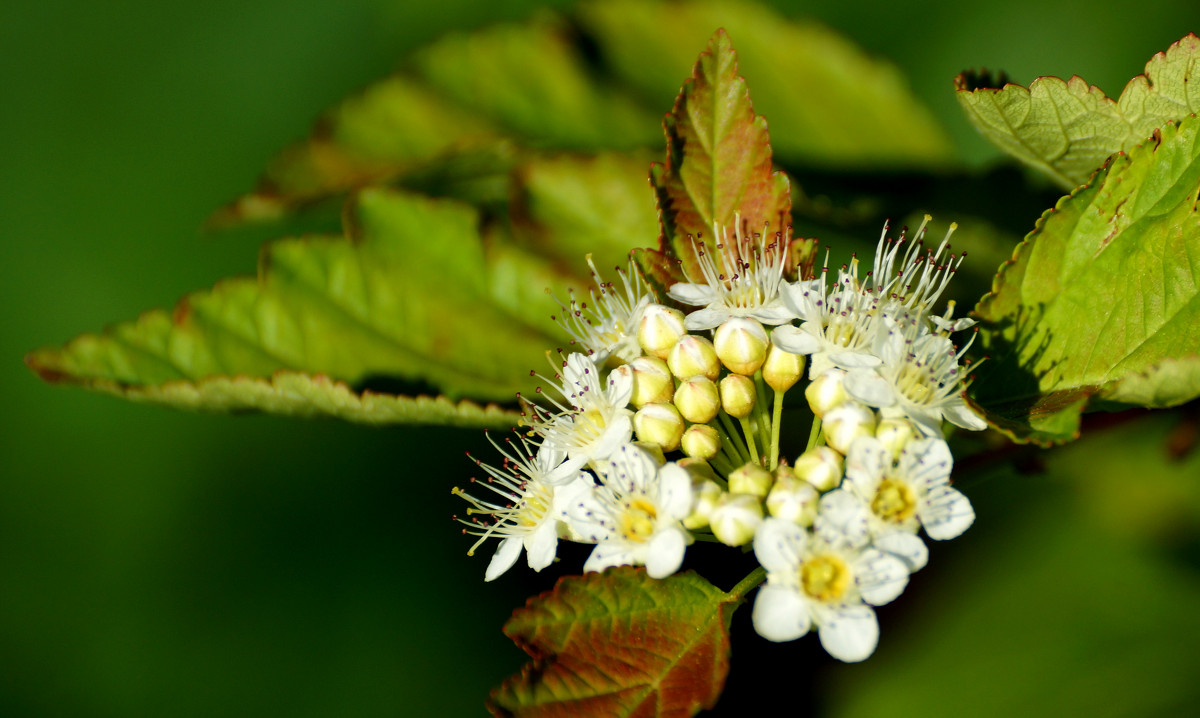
x: 748, y: 583
x: 776, y: 420
x: 750, y: 443
x: 814, y: 435
x: 735, y: 438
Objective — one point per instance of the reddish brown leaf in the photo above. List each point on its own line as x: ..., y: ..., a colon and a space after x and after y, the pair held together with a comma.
x: 718, y: 163
x: 619, y: 644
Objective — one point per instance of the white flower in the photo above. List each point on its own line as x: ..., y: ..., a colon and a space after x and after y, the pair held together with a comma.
x: 837, y: 327
x: 608, y: 326
x: 915, y: 488
x: 595, y: 423
x: 529, y: 512
x: 824, y: 580
x: 920, y: 378
x: 635, y: 516
x: 747, y: 284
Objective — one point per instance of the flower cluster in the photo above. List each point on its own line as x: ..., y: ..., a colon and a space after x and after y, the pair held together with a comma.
x: 669, y: 430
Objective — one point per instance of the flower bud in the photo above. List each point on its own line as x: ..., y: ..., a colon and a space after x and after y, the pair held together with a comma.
x: 735, y: 518
x: 895, y: 433
x: 826, y: 391
x: 750, y: 478
x: 820, y: 466
x: 697, y: 400
x: 707, y: 494
x: 845, y: 423
x: 659, y: 424
x: 782, y: 368
x: 701, y: 441
x: 652, y: 381
x: 694, y: 356
x: 741, y: 345
x: 738, y: 395
x: 793, y: 500
x: 659, y: 329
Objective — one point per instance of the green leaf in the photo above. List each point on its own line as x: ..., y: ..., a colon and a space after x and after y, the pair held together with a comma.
x: 619, y: 644
x: 414, y: 295
x: 830, y: 104
x: 574, y: 205
x: 532, y: 80
x: 718, y: 166
x: 1067, y: 129
x: 1102, y: 296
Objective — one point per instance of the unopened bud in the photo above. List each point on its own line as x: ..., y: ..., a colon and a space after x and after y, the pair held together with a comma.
x: 659, y: 329
x: 659, y: 424
x: 820, y: 466
x: 793, y: 500
x: 741, y: 345
x: 750, y: 478
x: 895, y: 434
x: 845, y: 423
x: 652, y: 381
x: 694, y: 356
x: 701, y: 441
x: 738, y: 395
x: 826, y: 391
x: 782, y: 369
x: 698, y: 400
x: 736, y: 518
x: 708, y: 495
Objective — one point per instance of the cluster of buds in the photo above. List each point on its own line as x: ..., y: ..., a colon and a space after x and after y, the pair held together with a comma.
x: 670, y: 427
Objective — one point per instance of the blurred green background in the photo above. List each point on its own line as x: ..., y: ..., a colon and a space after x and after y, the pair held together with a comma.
x: 161, y: 563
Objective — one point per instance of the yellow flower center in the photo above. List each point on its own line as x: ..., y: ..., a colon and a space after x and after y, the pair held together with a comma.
x: 894, y: 501
x: 638, y: 519
x: 824, y: 578
x: 913, y: 382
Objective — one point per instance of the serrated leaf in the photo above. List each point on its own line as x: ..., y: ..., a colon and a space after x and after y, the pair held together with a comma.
x: 830, y: 104
x: 619, y: 644
x: 718, y: 165
x: 574, y: 205
x: 1067, y: 129
x: 1102, y: 293
x: 411, y: 296
x: 530, y: 79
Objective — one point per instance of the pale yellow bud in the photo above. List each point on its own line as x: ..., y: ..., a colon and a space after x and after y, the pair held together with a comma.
x: 659, y: 329
x: 895, y: 434
x: 652, y: 381
x: 698, y: 400
x: 741, y: 345
x: 659, y: 424
x: 826, y: 391
x: 738, y: 395
x: 793, y: 500
x: 694, y: 356
x: 736, y: 518
x: 750, y: 478
x: 845, y: 423
x: 701, y: 441
x: 707, y: 494
x: 782, y: 369
x: 820, y: 466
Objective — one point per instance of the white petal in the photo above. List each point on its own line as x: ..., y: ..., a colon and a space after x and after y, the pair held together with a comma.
x: 610, y: 553
x: 854, y: 360
x: 541, y: 545
x: 865, y: 466
x: 801, y: 297
x: 696, y: 295
x: 907, y: 547
x: 665, y: 553
x: 868, y: 387
x: 958, y: 413
x: 781, y: 613
x: 675, y: 493
x: 566, y: 471
x: 842, y: 519
x: 619, y: 431
x: 505, y: 556
x: 620, y: 387
x: 848, y: 632
x: 779, y: 544
x: 946, y: 513
x: 795, y: 340
x: 705, y: 319
x: 589, y: 517
x: 880, y: 577
x: 773, y: 313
